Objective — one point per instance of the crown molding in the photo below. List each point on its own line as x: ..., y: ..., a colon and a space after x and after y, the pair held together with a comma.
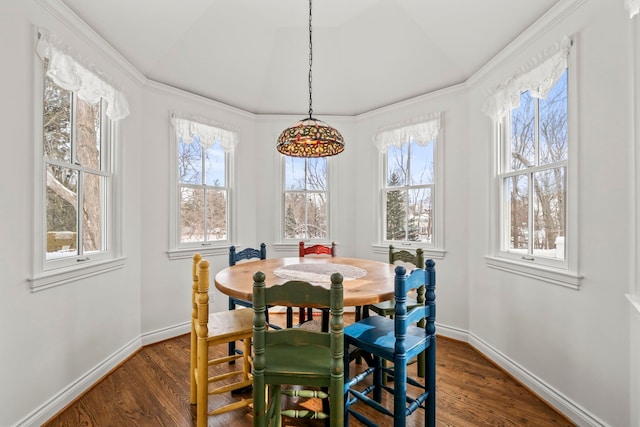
x: 546, y: 22
x: 81, y: 29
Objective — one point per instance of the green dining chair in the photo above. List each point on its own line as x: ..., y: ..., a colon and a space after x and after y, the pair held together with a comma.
x: 286, y: 359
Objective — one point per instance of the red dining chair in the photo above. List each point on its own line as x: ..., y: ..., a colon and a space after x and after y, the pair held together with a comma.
x: 316, y: 250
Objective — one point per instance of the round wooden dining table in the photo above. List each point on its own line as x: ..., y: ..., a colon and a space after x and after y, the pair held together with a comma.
x: 364, y: 281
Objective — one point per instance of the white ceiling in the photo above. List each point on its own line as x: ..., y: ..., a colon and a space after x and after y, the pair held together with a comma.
x: 254, y: 54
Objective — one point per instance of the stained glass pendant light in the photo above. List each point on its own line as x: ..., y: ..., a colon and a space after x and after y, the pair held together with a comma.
x: 310, y: 137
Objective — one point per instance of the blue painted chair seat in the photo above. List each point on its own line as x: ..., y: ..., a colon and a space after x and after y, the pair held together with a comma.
x: 375, y: 334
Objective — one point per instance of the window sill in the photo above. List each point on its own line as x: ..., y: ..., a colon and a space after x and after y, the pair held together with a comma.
x: 635, y: 301
x: 429, y: 253
x: 53, y: 278
x: 184, y: 253
x: 546, y: 274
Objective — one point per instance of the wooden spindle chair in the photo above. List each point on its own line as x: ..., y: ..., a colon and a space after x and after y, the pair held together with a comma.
x: 209, y: 330
x: 397, y: 340
x: 285, y: 359
x: 315, y: 250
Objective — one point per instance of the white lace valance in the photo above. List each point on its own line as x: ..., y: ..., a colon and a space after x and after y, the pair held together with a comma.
x: 421, y: 130
x: 190, y: 130
x: 70, y: 73
x: 633, y: 6
x: 538, y: 77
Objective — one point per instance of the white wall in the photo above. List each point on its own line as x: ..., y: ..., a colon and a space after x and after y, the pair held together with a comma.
x: 452, y: 274
x: 570, y: 346
x: 54, y: 339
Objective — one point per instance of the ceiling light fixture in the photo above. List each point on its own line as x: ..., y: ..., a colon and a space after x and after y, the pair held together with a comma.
x: 310, y: 137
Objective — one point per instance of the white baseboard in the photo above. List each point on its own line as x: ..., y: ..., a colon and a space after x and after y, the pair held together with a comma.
x: 568, y: 407
x: 165, y: 333
x: 558, y: 400
x: 58, y: 402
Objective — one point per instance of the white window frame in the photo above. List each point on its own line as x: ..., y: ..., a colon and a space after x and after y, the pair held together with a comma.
x: 181, y: 250
x: 564, y: 272
x: 50, y: 273
x: 634, y: 69
x: 435, y: 249
x: 281, y: 182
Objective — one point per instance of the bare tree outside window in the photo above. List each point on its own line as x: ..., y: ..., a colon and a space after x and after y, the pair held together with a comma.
x: 305, y: 198
x: 202, y: 191
x: 408, y: 192
x: 535, y: 179
x: 76, y: 173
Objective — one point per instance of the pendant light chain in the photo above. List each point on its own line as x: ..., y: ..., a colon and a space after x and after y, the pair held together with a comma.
x: 309, y: 137
x: 310, y: 61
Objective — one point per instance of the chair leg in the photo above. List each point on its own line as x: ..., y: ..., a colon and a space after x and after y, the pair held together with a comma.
x: 289, y: 317
x: 259, y: 398
x: 193, y: 366
x: 202, y: 373
x: 232, y: 344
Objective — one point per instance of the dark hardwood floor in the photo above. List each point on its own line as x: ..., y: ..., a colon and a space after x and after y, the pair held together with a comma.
x: 152, y: 389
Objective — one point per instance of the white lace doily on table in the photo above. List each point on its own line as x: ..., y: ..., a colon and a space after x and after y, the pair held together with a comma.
x: 318, y: 273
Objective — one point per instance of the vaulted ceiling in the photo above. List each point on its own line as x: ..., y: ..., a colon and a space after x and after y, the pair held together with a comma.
x: 254, y: 54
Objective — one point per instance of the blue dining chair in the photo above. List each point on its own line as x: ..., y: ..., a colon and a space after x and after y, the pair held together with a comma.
x: 414, y: 299
x: 396, y: 340
x: 235, y: 257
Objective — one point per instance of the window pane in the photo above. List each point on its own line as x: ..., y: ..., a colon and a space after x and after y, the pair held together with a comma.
x: 517, y: 210
x: 62, y: 212
x: 553, y: 123
x: 396, y: 214
x: 421, y: 165
x: 523, y: 133
x: 316, y: 216
x: 189, y: 163
x: 317, y: 174
x: 92, y: 223
x: 216, y: 215
x: 420, y: 218
x: 294, y: 173
x: 191, y: 214
x: 397, y: 168
x: 549, y: 212
x: 57, y: 122
x: 295, y: 214
x: 87, y: 134
x: 214, y: 165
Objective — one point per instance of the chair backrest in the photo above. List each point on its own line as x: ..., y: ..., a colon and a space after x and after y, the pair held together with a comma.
x: 403, y: 284
x: 247, y: 253
x: 317, y: 249
x: 417, y: 258
x: 300, y: 294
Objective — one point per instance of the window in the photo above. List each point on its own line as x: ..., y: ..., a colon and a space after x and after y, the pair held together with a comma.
x: 76, y: 150
x: 535, y: 228
x: 411, y: 188
x: 75, y: 210
x: 203, y: 155
x: 306, y: 206
x: 533, y: 176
